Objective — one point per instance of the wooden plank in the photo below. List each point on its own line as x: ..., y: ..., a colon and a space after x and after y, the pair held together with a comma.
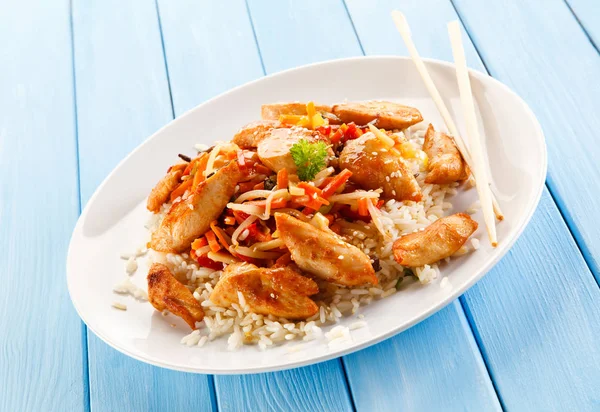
x: 320, y: 387
x: 588, y: 14
x: 42, y: 359
x: 433, y: 366
x: 292, y: 34
x: 317, y: 388
x: 532, y: 350
x: 204, y: 56
x: 123, y: 97
x: 555, y: 71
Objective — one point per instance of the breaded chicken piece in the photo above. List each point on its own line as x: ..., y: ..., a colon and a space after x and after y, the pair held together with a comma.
x: 446, y: 165
x: 249, y: 136
x: 274, y: 149
x: 323, y: 253
x: 160, y: 193
x: 165, y: 292
x: 375, y: 167
x: 280, y: 292
x: 387, y: 115
x: 190, y: 218
x: 437, y: 241
x: 274, y: 110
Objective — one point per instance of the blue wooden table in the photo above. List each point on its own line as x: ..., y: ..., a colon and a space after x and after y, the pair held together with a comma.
x: 84, y: 82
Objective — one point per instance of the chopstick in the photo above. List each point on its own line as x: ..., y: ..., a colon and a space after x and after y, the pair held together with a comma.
x: 466, y: 98
x: 404, y: 30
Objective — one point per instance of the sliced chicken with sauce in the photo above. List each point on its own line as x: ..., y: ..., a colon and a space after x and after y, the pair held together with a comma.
x: 373, y: 166
x: 324, y: 254
x: 386, y: 115
x: 274, y: 149
x: 165, y: 292
x: 160, y: 193
x: 274, y: 110
x: 437, y: 241
x: 190, y: 218
x: 249, y: 136
x: 280, y: 292
x: 446, y: 165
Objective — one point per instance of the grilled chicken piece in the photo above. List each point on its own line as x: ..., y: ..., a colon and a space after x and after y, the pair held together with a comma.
x: 160, y: 193
x: 387, y: 115
x: 274, y: 149
x: 190, y: 218
x: 280, y: 292
x: 274, y: 110
x: 374, y: 167
x: 446, y: 165
x: 249, y: 136
x: 437, y: 241
x: 165, y: 292
x: 324, y: 254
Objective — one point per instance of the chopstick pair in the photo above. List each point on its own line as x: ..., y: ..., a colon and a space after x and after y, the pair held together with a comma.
x: 479, y: 171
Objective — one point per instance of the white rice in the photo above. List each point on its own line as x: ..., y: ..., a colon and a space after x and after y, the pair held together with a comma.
x: 242, y: 327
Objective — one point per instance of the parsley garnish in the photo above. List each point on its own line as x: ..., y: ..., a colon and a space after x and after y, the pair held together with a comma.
x: 310, y: 158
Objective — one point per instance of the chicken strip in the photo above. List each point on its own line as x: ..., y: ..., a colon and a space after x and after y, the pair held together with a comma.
x: 190, y: 218
x: 274, y: 149
x: 159, y: 195
x: 446, y: 164
x: 165, y: 292
x: 274, y: 110
x: 375, y: 167
x: 280, y: 292
x: 249, y: 136
x: 437, y: 241
x: 324, y: 254
x: 387, y: 115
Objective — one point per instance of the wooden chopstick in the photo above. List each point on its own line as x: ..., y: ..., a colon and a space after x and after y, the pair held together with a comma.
x: 404, y: 30
x: 466, y: 98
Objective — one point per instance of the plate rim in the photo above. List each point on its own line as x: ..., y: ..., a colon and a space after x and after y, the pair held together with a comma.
x: 456, y: 292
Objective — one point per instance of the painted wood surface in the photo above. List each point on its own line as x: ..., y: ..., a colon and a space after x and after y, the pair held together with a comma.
x: 496, y: 291
x: 122, y: 98
x: 553, y: 66
x: 535, y: 317
x: 41, y: 351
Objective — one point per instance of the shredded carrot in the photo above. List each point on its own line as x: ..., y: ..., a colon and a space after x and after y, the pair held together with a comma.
x: 380, y: 203
x: 262, y: 169
x: 229, y: 220
x: 246, y: 186
x: 219, y: 233
x: 180, y: 190
x: 212, y: 241
x: 312, y: 202
x: 259, y: 186
x: 200, y: 167
x: 310, y: 189
x: 282, y: 179
x: 336, y: 183
x: 198, y: 243
x: 363, y: 208
x: 191, y: 165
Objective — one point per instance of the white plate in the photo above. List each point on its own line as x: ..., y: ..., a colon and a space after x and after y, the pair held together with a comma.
x: 113, y: 220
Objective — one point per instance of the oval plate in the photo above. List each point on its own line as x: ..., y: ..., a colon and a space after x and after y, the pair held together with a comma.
x: 113, y: 220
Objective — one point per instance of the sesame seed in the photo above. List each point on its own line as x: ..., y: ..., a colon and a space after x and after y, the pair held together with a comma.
x: 341, y: 257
